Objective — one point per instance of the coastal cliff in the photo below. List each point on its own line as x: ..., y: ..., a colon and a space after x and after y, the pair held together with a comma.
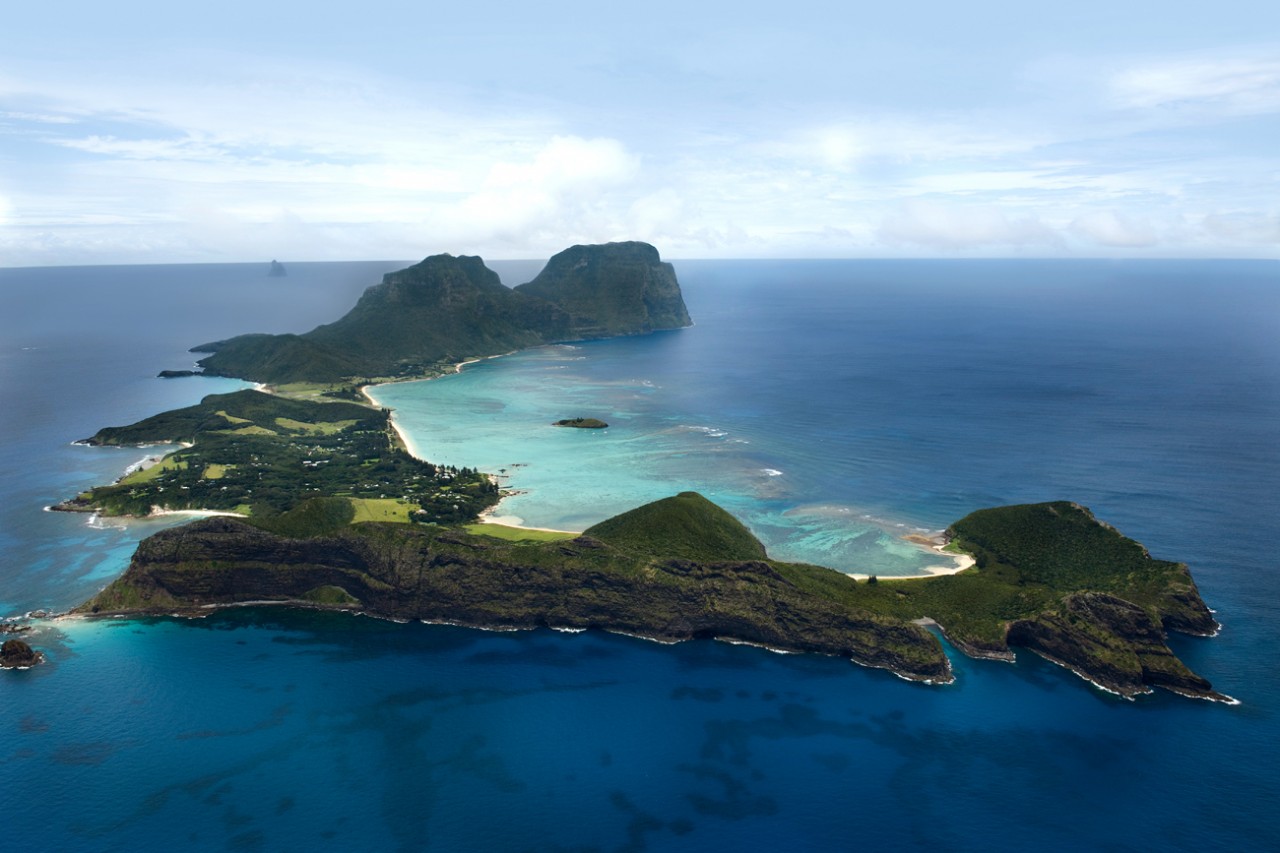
x: 425, y: 318
x: 1054, y: 580
x: 1050, y: 579
x: 608, y: 578
x: 612, y: 289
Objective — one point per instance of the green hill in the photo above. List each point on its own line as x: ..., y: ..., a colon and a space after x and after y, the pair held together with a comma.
x: 686, y: 526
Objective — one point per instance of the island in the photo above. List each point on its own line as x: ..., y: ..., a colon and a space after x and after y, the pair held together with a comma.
x: 16, y: 654
x: 316, y: 503
x: 581, y: 423
x: 277, y: 270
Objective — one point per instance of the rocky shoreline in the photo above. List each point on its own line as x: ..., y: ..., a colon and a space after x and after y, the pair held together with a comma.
x: 655, y: 573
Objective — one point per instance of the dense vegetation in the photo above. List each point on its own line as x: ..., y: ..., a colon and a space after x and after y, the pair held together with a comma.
x: 643, y: 293
x: 1051, y: 579
x: 417, y: 572
x: 447, y: 309
x: 268, y: 456
x: 687, y: 526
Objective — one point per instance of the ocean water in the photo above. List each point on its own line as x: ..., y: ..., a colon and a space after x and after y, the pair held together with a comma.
x: 832, y: 405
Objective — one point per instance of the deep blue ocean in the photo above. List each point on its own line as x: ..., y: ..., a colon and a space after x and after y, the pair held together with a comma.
x: 832, y: 404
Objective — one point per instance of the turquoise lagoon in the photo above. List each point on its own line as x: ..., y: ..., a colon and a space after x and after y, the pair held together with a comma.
x: 497, y: 415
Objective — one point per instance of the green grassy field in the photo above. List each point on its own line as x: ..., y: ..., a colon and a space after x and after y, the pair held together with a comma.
x: 322, y: 428
x: 252, y: 429
x: 381, y: 509
x: 146, y: 475
x: 517, y: 534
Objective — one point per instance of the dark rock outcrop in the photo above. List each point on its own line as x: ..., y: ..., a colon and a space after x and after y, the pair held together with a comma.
x: 16, y: 654
x: 1110, y: 641
x: 581, y: 423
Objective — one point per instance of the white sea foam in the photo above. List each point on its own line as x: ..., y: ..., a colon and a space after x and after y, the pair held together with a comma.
x: 733, y: 641
x: 99, y: 522
x: 771, y: 472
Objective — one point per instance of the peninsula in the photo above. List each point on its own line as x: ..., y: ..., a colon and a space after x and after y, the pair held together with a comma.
x: 337, y: 515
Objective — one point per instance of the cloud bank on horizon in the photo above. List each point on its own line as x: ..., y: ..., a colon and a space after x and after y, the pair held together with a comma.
x: 139, y: 131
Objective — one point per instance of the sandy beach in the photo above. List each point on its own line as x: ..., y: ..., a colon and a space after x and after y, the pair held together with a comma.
x: 490, y: 516
x: 194, y: 513
x: 934, y: 545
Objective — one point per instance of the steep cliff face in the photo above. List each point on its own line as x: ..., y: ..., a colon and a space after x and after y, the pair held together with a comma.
x: 416, y: 573
x: 1110, y: 641
x: 447, y: 309
x: 442, y: 310
x: 612, y: 289
x: 1092, y: 599
x: 1050, y: 579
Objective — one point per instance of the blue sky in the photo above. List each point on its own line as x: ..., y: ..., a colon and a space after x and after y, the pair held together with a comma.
x: 142, y: 131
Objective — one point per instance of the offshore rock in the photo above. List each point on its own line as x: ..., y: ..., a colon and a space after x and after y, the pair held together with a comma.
x: 16, y: 654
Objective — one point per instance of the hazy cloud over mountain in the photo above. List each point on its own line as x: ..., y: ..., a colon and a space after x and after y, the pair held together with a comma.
x: 144, y: 131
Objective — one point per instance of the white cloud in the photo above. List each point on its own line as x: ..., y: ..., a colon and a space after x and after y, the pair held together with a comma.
x: 38, y: 118
x: 658, y: 214
x: 150, y: 150
x: 1114, y: 230
x: 244, y: 157
x: 1249, y: 227
x: 565, y: 162
x: 952, y: 227
x: 843, y: 145
x: 567, y: 177
x: 1235, y: 84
